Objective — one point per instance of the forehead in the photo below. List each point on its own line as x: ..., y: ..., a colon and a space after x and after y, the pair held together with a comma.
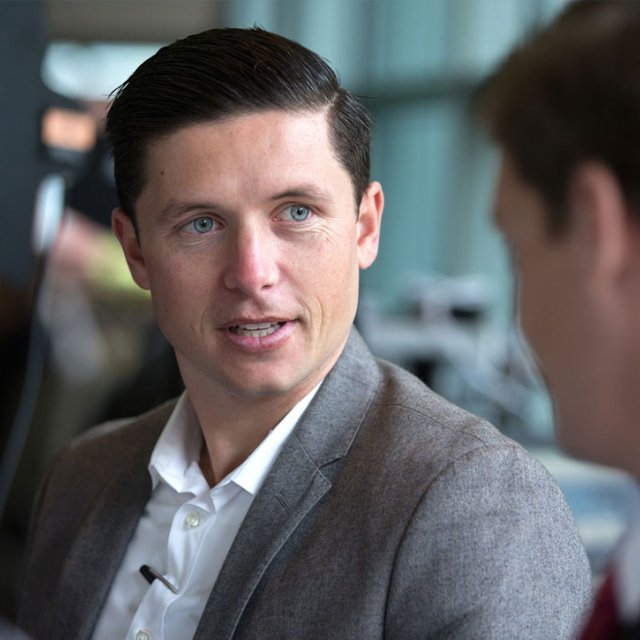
x: 258, y: 135
x: 258, y: 132
x: 249, y: 155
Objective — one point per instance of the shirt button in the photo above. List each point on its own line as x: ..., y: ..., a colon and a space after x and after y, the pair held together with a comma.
x: 191, y: 521
x: 142, y: 635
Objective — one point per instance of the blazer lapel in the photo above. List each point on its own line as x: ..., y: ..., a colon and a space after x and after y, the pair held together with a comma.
x: 96, y: 553
x: 294, y: 485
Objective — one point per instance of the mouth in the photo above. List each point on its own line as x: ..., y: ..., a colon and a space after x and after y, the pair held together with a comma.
x: 256, y: 330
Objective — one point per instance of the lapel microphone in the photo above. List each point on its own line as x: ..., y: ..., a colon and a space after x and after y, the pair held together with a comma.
x: 150, y: 574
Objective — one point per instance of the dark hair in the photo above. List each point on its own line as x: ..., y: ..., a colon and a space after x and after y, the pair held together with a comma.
x: 227, y: 72
x: 569, y: 95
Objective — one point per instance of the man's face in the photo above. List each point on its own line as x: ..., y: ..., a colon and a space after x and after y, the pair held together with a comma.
x: 251, y: 244
x: 553, y: 301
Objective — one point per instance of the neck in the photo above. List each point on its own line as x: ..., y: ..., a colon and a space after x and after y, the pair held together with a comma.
x: 234, y: 427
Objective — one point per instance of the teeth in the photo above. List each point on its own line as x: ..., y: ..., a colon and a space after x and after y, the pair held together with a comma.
x: 259, y: 330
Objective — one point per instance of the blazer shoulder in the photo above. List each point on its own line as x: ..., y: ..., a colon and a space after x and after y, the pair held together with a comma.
x: 413, y: 427
x: 419, y: 410
x: 107, y: 449
x: 120, y: 431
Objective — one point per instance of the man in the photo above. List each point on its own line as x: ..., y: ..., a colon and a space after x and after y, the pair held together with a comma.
x: 299, y: 488
x: 564, y: 109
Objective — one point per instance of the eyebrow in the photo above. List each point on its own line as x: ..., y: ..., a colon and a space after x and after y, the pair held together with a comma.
x: 175, y: 209
x: 303, y: 191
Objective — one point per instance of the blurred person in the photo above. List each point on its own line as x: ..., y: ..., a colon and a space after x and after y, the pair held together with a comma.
x: 299, y: 487
x: 564, y: 109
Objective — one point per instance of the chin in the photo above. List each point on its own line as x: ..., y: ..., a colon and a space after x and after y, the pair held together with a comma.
x: 261, y: 388
x: 571, y: 438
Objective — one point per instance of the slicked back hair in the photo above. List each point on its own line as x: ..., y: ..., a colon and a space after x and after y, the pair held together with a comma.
x: 222, y: 73
x: 571, y: 94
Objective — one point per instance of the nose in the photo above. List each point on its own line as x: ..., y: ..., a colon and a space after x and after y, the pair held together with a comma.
x: 252, y: 263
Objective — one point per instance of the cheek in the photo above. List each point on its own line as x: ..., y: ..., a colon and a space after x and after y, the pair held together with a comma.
x: 164, y: 274
x: 176, y: 285
x: 535, y: 312
x: 327, y: 276
x: 548, y: 323
x: 525, y: 304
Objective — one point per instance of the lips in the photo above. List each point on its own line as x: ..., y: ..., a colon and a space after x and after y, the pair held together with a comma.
x: 256, y: 330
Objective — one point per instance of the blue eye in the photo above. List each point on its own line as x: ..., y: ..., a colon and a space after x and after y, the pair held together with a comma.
x: 201, y: 225
x: 297, y: 212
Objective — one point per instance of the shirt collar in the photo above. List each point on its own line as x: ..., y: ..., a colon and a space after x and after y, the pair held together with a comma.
x: 175, y: 457
x: 178, y: 447
x: 251, y: 473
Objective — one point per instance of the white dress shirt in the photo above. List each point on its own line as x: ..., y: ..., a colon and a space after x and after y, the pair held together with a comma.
x: 185, y: 532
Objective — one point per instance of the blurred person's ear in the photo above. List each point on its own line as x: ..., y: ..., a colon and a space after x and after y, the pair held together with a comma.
x: 124, y: 229
x: 601, y: 226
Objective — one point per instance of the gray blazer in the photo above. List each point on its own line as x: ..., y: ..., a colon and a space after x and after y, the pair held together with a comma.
x: 390, y: 513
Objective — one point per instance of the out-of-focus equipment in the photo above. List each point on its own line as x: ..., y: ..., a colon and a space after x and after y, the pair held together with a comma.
x: 44, y: 139
x: 42, y: 133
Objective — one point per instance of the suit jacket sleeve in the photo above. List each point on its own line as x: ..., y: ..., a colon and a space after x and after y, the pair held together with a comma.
x: 489, y: 553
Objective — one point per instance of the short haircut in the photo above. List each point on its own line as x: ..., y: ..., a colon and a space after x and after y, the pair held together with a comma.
x: 571, y: 94
x: 223, y: 73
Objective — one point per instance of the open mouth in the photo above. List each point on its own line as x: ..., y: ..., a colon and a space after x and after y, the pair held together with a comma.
x: 258, y: 330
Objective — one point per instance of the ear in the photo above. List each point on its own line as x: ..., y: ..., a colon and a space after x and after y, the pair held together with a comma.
x: 125, y: 231
x: 368, y: 225
x: 600, y: 223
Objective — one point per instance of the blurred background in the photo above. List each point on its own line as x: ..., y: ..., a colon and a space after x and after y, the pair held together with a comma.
x: 77, y: 339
